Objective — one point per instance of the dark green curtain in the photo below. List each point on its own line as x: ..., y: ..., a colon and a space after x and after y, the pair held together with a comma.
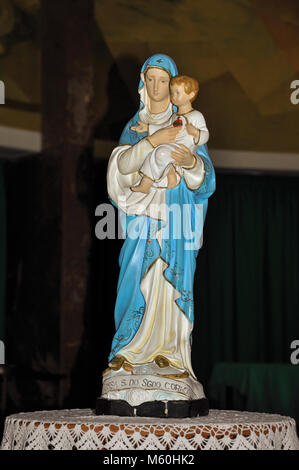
x: 2, y: 250
x: 246, y: 285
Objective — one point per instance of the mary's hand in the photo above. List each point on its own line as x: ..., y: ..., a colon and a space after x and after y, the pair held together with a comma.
x: 164, y: 136
x: 183, y: 156
x: 142, y: 127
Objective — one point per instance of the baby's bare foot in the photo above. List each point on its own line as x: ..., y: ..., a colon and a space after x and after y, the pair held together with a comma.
x: 144, y: 186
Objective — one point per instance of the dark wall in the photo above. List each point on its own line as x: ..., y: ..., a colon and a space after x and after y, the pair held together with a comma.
x: 246, y: 300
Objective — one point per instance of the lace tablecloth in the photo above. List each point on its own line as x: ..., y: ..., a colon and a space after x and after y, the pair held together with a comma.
x: 81, y: 429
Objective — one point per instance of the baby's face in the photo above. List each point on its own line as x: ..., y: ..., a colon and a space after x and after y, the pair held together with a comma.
x: 178, y: 95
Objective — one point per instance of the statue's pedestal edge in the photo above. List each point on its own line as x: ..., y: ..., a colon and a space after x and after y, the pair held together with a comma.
x: 154, y: 409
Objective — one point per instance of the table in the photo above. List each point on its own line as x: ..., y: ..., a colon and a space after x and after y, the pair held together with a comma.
x: 81, y: 429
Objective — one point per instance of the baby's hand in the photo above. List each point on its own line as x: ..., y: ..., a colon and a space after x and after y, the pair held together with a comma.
x: 142, y: 127
x: 192, y: 130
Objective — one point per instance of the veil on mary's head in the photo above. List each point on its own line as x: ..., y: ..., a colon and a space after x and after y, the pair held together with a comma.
x: 161, y: 61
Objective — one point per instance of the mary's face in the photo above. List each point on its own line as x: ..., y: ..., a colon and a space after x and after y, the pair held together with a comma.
x: 157, y: 84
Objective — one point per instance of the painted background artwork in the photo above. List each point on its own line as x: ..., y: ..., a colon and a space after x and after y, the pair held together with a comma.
x: 245, y: 54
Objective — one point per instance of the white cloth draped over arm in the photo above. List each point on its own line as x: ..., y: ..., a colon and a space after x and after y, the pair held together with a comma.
x: 204, y: 136
x: 131, y: 158
x: 195, y: 175
x: 119, y: 184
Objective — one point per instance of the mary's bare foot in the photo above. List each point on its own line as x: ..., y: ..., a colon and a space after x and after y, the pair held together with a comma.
x: 144, y: 185
x: 116, y: 362
x: 161, y: 361
x: 171, y: 177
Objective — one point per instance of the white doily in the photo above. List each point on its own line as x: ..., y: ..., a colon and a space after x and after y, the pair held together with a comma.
x: 83, y: 430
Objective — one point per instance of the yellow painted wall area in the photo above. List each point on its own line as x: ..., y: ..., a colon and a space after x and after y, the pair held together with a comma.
x: 245, y: 54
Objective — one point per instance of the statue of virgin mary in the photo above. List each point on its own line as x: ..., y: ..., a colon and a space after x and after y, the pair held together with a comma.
x: 150, y: 358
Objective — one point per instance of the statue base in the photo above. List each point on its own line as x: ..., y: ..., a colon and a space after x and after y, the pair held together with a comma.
x: 154, y: 409
x: 151, y: 390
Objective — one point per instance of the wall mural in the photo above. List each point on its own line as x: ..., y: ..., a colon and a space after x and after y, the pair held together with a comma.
x: 245, y: 54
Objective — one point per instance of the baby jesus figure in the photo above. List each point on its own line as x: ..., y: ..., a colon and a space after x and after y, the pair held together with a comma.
x: 159, y: 162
